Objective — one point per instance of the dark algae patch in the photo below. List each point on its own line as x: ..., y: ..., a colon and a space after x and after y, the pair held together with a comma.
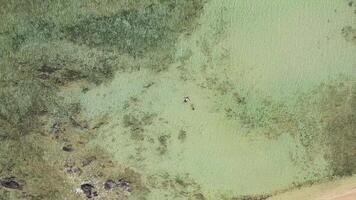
x: 339, y: 130
x: 136, y: 31
x: 349, y: 33
x: 131, y: 31
x: 88, y: 190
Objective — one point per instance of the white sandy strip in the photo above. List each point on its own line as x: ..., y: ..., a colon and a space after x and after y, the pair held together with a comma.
x: 350, y: 195
x: 342, y: 189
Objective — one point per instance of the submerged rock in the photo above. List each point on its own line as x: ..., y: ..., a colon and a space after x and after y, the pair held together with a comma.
x: 88, y: 190
x: 121, y: 183
x: 125, y: 185
x: 68, y: 148
x: 11, y: 183
x: 110, y: 184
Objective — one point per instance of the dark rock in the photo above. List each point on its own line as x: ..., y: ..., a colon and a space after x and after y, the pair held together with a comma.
x: 11, y: 183
x: 121, y: 183
x: 110, y: 184
x: 125, y: 185
x: 88, y: 190
x: 68, y: 148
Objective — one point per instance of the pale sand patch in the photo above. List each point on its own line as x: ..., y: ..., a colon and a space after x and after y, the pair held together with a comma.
x: 350, y: 195
x: 343, y: 189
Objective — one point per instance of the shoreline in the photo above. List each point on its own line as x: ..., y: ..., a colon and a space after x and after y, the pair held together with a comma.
x: 340, y: 189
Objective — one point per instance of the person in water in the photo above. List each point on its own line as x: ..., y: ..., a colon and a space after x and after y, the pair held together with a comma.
x: 186, y: 99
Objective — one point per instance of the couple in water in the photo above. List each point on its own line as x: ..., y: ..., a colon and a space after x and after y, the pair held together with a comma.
x: 186, y: 99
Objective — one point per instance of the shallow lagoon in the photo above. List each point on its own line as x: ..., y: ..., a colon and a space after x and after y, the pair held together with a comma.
x: 265, y: 50
x: 271, y: 88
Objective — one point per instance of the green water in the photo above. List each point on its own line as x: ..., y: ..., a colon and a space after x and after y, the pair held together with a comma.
x: 265, y: 49
x: 271, y: 87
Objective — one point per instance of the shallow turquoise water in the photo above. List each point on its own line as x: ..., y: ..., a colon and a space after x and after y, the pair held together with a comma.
x: 263, y: 50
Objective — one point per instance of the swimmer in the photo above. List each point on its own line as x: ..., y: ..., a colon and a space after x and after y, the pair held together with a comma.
x: 192, y: 106
x: 186, y: 99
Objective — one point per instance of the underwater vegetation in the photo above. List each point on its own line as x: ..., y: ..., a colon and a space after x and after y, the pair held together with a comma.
x: 349, y: 33
x: 136, y: 31
x: 322, y: 119
x: 338, y: 110
x: 46, y: 47
x: 50, y: 47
